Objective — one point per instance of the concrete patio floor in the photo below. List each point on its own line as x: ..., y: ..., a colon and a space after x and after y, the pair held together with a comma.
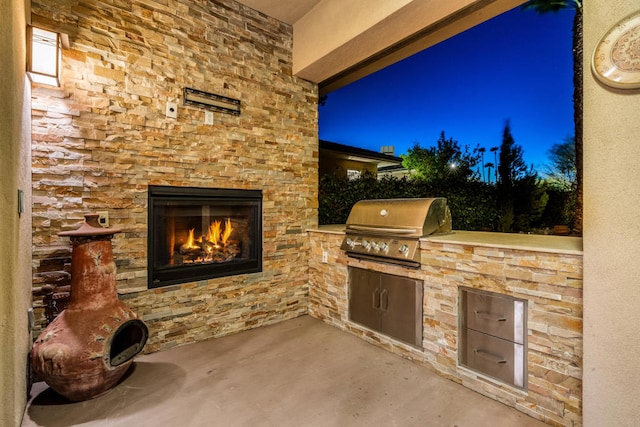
x: 300, y: 372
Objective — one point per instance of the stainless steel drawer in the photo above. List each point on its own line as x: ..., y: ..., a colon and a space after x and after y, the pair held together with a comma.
x: 495, y: 357
x: 496, y: 315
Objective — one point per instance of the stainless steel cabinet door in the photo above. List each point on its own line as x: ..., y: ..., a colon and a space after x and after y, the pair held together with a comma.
x: 386, y: 303
x: 401, y: 308
x: 364, y: 297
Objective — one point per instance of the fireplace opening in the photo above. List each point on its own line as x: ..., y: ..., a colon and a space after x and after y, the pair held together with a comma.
x: 202, y: 233
x: 127, y: 342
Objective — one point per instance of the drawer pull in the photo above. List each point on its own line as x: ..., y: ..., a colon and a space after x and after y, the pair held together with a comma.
x: 486, y: 315
x: 488, y: 356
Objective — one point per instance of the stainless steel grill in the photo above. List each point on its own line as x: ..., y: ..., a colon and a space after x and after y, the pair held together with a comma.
x: 388, y: 230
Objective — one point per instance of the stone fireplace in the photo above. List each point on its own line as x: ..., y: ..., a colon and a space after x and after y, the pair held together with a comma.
x: 202, y: 233
x: 102, y: 140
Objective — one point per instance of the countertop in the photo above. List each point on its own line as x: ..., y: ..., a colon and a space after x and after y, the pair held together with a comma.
x: 536, y: 242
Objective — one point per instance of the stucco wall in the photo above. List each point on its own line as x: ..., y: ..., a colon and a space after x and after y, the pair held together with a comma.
x: 611, y: 236
x: 15, y: 231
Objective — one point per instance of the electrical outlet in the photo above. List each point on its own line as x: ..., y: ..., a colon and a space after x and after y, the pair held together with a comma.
x: 325, y: 257
x: 103, y: 218
x: 172, y: 110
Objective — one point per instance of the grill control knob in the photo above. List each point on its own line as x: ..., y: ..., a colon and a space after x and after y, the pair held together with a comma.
x: 404, y: 250
x: 375, y: 246
x: 384, y: 247
x: 366, y: 244
x: 350, y: 242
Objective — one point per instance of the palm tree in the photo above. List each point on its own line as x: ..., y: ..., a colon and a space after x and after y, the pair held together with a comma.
x: 489, y: 165
x: 494, y: 150
x: 546, y: 6
x: 482, y: 150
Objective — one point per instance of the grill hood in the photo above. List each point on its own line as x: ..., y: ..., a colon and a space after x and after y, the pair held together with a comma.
x: 388, y: 230
x: 400, y: 217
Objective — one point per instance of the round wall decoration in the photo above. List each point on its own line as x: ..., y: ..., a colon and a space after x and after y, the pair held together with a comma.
x: 616, y: 58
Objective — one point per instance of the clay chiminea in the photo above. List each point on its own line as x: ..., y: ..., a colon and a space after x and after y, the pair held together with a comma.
x: 92, y: 343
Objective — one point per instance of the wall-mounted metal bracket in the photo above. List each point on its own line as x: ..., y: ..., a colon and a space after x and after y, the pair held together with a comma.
x: 211, y: 101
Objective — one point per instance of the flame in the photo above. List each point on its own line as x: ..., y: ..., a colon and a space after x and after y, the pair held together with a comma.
x: 190, y: 244
x: 227, y: 231
x: 216, y: 234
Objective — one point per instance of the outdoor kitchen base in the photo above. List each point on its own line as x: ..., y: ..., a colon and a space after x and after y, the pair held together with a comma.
x: 202, y: 233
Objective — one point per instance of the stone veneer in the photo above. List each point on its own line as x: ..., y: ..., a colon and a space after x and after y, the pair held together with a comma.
x: 103, y: 137
x: 550, y: 281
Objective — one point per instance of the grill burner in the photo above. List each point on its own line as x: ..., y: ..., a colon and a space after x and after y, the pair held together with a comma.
x: 389, y: 230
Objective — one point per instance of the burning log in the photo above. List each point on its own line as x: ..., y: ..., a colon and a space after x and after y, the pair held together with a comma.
x: 215, y: 247
x: 190, y: 248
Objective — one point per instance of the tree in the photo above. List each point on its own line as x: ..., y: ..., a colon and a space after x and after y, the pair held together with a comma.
x: 562, y: 183
x: 494, y: 150
x: 521, y: 200
x: 562, y: 172
x: 512, y: 166
x: 446, y: 162
x: 546, y: 6
x: 489, y: 165
x: 529, y: 202
x: 482, y: 150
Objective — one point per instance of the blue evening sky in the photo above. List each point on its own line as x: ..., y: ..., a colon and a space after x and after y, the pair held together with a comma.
x: 516, y: 67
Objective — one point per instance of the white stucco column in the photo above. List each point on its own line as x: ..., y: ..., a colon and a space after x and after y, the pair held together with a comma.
x: 15, y: 230
x: 611, y: 236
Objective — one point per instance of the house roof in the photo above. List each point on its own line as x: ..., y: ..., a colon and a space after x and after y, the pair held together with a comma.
x: 348, y: 152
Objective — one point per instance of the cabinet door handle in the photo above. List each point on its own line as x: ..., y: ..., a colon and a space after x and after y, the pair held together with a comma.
x: 384, y: 300
x: 487, y: 315
x: 488, y: 356
x: 376, y: 299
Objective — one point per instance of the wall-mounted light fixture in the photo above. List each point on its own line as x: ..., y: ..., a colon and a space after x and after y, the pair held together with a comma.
x: 44, y: 56
x: 211, y: 101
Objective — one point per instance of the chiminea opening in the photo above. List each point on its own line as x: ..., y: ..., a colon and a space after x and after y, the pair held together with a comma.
x: 202, y: 233
x: 127, y: 342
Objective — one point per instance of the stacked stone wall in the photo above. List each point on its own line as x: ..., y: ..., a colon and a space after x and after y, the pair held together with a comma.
x: 103, y: 137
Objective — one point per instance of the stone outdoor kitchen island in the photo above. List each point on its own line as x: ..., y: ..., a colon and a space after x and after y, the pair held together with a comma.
x: 545, y: 271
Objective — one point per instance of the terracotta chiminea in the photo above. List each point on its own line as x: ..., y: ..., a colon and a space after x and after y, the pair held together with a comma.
x: 92, y: 343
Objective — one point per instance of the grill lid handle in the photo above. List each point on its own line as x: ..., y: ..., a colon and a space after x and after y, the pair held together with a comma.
x: 383, y: 229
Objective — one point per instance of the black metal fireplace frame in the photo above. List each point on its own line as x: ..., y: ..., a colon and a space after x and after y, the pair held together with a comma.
x: 193, y: 273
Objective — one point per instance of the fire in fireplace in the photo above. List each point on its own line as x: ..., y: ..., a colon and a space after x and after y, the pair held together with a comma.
x: 202, y: 233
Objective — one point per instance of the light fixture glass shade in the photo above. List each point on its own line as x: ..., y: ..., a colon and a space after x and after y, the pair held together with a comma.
x: 44, y: 57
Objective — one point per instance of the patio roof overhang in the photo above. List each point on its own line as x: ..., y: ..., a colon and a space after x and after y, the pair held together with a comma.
x: 338, y: 42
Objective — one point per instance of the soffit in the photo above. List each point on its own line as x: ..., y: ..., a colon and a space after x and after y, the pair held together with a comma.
x: 332, y: 50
